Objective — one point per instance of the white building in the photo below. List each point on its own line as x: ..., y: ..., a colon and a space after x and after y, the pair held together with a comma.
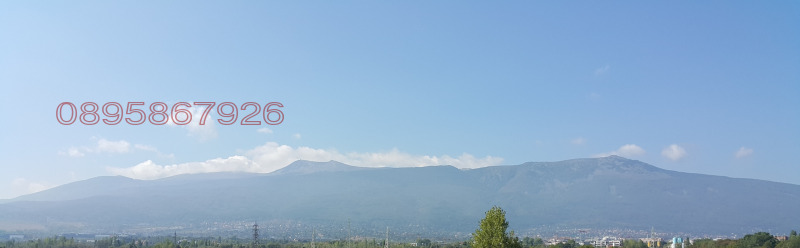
x: 606, y: 242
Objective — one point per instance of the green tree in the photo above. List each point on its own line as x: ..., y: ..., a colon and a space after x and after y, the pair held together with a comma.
x: 492, y: 231
x: 792, y: 242
x: 529, y: 242
x: 538, y: 242
x: 759, y: 239
x: 424, y: 242
x: 633, y: 243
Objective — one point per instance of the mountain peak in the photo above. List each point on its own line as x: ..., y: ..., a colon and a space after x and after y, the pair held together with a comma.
x: 308, y: 167
x: 615, y: 157
x: 621, y: 164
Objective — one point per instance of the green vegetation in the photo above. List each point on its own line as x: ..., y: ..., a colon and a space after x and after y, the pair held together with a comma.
x: 202, y: 242
x: 492, y: 231
x: 529, y: 242
x: 756, y: 240
x: 633, y: 243
x: 569, y: 244
x: 792, y: 242
x: 490, y: 234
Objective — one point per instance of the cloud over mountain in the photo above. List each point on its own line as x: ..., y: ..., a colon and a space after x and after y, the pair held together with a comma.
x: 273, y: 156
x: 629, y: 150
x: 673, y: 152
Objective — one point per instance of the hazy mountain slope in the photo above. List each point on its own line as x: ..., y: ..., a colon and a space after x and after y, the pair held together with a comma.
x: 588, y: 193
x: 616, y: 192
x: 83, y: 189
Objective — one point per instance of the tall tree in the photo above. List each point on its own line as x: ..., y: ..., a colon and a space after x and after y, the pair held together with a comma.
x: 759, y: 239
x: 492, y: 231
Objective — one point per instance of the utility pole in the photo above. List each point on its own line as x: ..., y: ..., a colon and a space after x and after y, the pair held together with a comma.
x: 313, y: 236
x: 386, y: 245
x: 255, y: 235
x: 349, y: 233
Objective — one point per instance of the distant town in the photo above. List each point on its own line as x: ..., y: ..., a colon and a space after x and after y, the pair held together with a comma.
x: 276, y: 234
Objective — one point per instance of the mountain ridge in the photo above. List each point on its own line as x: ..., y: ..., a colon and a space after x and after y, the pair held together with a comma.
x: 307, y: 167
x: 608, y: 192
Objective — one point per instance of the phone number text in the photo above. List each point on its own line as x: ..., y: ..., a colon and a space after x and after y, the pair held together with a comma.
x: 160, y: 113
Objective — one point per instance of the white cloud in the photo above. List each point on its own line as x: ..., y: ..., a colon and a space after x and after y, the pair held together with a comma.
x: 150, y: 170
x: 629, y: 150
x: 743, y: 152
x: 120, y: 146
x: 264, y: 130
x: 145, y: 148
x: 107, y: 146
x: 602, y: 70
x: 297, y: 136
x: 204, y: 132
x: 22, y: 186
x: 154, y: 150
x: 673, y: 152
x: 272, y: 156
x: 578, y: 141
x: 73, y: 152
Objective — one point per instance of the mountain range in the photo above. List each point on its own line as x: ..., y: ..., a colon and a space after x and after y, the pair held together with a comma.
x: 592, y: 193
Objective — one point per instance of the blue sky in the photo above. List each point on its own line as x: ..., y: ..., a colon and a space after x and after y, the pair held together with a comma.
x: 707, y: 87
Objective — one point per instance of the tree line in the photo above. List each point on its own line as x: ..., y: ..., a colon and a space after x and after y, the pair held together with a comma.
x: 492, y: 232
x: 756, y: 240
